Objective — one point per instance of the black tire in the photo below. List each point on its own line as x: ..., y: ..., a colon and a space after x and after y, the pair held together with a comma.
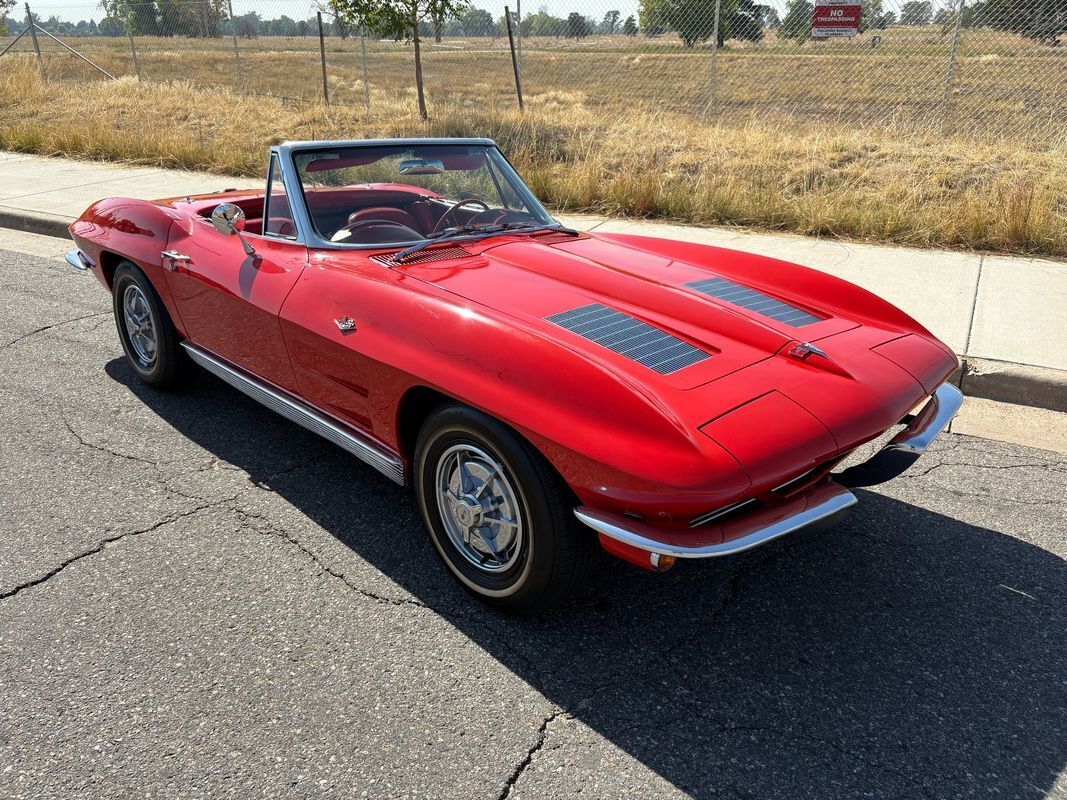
x: 168, y: 366
x: 556, y: 555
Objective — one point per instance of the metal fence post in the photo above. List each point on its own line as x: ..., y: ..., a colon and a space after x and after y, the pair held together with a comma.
x: 514, y: 57
x: 366, y: 77
x: 714, y: 57
x: 233, y: 31
x: 33, y: 35
x: 322, y: 56
x: 133, y: 46
x: 950, y: 71
x: 518, y: 21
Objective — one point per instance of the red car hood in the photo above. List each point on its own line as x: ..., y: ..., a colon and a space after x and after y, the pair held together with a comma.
x: 855, y: 390
x: 533, y: 279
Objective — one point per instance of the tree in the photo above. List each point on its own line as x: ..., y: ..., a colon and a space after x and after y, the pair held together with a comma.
x: 692, y: 20
x: 630, y: 26
x: 399, y: 20
x: 476, y: 22
x: 578, y: 27
x: 610, y: 23
x: 916, y: 12
x: 770, y: 17
x: 247, y: 25
x: 109, y: 26
x: 872, y: 18
x: 1043, y: 20
x: 746, y: 22
x: 797, y: 22
x: 5, y: 6
x: 542, y: 24
x: 652, y: 17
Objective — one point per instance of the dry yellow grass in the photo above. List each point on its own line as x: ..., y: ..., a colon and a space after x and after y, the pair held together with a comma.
x: 1004, y: 84
x: 870, y: 184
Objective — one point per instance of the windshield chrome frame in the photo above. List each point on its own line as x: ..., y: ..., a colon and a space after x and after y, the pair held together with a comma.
x: 306, y: 233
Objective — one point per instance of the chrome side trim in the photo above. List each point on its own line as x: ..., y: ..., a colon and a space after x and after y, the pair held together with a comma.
x: 704, y: 519
x: 281, y: 402
x: 820, y: 512
x: 77, y: 259
x: 930, y: 421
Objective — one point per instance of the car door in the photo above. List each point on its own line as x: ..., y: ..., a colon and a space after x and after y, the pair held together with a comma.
x: 229, y: 301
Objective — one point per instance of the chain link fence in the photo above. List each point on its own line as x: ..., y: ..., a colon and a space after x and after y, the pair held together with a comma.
x: 972, y: 68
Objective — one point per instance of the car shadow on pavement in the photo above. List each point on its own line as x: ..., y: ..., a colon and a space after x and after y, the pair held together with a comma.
x: 902, y: 653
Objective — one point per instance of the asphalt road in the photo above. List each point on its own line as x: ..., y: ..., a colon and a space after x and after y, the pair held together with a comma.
x: 199, y: 599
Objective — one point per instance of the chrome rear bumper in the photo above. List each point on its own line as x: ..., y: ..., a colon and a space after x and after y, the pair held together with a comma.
x: 77, y: 259
x: 819, y: 507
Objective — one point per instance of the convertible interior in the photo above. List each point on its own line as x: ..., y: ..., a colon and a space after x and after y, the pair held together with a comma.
x: 396, y: 195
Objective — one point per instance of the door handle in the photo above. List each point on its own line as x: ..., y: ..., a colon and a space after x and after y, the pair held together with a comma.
x: 172, y: 258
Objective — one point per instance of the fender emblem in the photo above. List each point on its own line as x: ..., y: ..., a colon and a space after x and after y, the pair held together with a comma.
x: 804, y: 349
x: 345, y: 323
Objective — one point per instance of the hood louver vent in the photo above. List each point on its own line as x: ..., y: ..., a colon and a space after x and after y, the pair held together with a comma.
x: 423, y: 256
x: 630, y: 337
x: 738, y: 295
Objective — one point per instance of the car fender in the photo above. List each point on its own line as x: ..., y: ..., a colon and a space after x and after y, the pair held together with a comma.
x: 136, y: 230
x: 609, y: 437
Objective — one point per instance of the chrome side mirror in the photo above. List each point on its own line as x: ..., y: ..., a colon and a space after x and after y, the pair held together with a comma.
x: 229, y: 220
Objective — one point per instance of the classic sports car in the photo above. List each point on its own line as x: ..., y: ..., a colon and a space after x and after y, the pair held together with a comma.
x: 543, y: 389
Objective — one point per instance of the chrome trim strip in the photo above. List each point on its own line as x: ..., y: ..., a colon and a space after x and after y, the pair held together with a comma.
x: 609, y: 526
x: 703, y: 519
x: 281, y: 402
x: 77, y: 259
x: 930, y: 421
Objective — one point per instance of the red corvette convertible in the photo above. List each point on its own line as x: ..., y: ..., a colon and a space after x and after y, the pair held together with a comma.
x: 543, y: 389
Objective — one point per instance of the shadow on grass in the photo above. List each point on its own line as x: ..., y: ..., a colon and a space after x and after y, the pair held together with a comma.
x: 903, y: 653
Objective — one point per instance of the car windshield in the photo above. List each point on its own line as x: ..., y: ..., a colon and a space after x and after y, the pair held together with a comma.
x: 403, y: 195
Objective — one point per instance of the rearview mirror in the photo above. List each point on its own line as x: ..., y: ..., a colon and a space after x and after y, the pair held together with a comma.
x: 229, y: 220
x: 422, y: 166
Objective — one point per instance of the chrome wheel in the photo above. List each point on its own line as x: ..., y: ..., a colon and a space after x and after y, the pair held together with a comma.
x: 479, y: 508
x: 140, y: 327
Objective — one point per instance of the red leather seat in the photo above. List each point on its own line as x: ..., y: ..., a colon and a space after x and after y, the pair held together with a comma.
x: 385, y: 214
x: 277, y: 225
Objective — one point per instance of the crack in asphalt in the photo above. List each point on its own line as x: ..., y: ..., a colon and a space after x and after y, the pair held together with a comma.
x: 1054, y: 465
x: 107, y: 450
x: 531, y: 753
x: 101, y: 545
x: 271, y: 529
x: 658, y: 651
x: 44, y: 328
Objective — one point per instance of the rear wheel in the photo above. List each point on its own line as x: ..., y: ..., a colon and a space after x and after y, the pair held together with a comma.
x: 498, y: 515
x: 153, y: 348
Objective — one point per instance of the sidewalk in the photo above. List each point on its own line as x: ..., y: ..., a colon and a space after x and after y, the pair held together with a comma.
x: 1005, y: 316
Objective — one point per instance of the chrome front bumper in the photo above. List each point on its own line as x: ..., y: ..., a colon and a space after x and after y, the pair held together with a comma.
x: 817, y: 508
x: 77, y: 259
x: 910, y: 443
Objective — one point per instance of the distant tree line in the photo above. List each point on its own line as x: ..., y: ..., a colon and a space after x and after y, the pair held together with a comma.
x: 691, y: 20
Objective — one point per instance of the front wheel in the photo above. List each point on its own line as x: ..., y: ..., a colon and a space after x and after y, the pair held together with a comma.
x: 153, y: 348
x: 498, y: 515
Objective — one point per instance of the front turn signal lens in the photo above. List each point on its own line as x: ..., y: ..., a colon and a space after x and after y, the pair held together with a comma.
x: 661, y: 563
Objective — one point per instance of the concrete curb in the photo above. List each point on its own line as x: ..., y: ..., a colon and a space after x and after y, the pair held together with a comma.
x: 35, y: 222
x: 991, y: 380
x: 1014, y: 383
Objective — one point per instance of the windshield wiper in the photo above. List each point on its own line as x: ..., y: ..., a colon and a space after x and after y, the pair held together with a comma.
x: 470, y: 233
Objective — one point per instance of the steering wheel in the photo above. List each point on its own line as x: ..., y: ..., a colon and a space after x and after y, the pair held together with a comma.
x: 498, y: 216
x: 456, y: 206
x: 341, y: 234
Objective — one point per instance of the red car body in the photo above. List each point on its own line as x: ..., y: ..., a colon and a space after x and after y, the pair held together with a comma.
x: 708, y: 459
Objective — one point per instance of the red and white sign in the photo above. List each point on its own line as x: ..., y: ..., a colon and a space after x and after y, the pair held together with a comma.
x: 835, y: 18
